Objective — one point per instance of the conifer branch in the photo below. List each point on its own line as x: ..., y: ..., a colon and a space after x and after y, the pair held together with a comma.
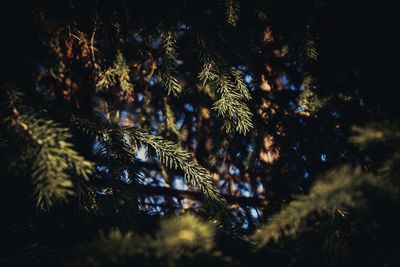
x: 179, y: 236
x: 229, y: 85
x: 232, y: 11
x: 170, y: 118
x: 170, y: 63
x: 172, y: 156
x: 118, y: 74
x: 55, y: 160
x: 338, y: 188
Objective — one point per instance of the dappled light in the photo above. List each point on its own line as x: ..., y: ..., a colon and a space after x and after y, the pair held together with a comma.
x: 195, y: 133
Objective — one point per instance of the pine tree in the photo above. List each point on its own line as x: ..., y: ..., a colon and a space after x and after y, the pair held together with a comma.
x: 177, y: 133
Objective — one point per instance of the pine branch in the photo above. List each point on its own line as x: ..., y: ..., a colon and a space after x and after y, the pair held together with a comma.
x: 55, y: 160
x: 308, y: 100
x: 229, y: 84
x: 172, y: 156
x: 338, y: 188
x: 170, y: 63
x: 118, y: 74
x: 179, y: 236
x: 113, y: 148
x: 240, y: 84
x: 170, y: 118
x: 232, y: 11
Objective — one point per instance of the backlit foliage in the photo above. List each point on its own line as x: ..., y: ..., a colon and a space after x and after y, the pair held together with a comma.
x: 195, y: 133
x: 117, y: 76
x: 170, y: 154
x: 170, y: 63
x: 55, y: 162
x: 228, y: 84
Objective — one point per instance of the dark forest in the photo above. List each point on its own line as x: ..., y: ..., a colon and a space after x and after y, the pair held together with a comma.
x: 199, y: 133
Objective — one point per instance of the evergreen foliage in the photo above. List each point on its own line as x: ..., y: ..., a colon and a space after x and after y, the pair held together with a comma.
x: 342, y: 190
x: 119, y: 72
x: 179, y: 237
x: 229, y: 85
x: 54, y: 160
x: 198, y: 133
x: 232, y: 11
x: 168, y: 152
x: 170, y: 63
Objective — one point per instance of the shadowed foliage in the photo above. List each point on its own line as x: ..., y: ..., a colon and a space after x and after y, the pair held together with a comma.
x: 193, y: 133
